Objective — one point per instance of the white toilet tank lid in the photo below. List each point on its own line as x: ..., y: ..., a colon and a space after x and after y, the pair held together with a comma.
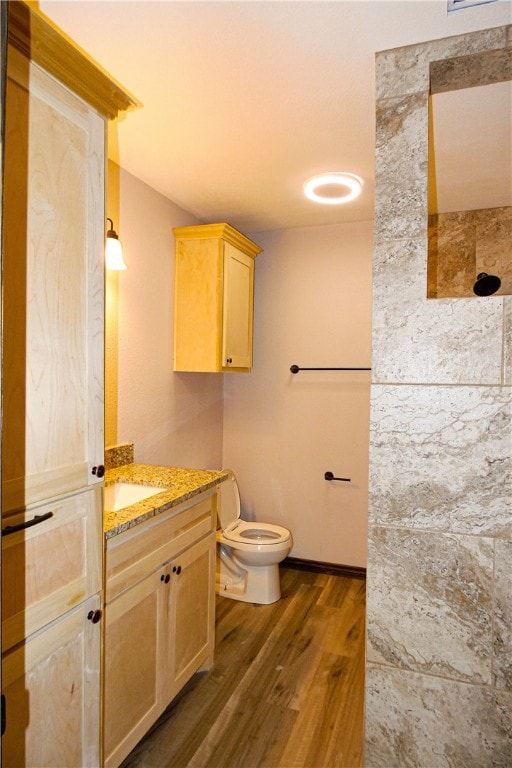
x: 228, y: 503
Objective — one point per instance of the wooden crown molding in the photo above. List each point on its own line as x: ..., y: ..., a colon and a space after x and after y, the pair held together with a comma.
x: 222, y: 231
x: 44, y: 43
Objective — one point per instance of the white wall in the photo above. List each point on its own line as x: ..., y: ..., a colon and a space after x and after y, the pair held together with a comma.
x: 277, y: 431
x: 283, y: 431
x: 172, y: 418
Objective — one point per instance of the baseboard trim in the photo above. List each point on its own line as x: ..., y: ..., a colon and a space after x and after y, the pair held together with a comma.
x: 350, y: 571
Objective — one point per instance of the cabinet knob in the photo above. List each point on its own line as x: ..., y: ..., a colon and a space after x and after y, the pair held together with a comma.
x: 99, y: 471
x: 165, y: 578
x: 229, y: 360
x: 176, y: 569
x: 94, y: 616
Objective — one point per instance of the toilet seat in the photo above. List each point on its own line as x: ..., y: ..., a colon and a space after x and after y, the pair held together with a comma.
x: 256, y: 534
x: 241, y: 533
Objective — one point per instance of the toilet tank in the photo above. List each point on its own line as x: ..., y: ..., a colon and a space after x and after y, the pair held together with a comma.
x: 228, y: 502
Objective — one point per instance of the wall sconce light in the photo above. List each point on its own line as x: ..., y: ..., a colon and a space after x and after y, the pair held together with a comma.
x: 113, y: 250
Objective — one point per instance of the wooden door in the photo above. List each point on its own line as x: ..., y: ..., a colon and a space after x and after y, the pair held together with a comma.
x: 52, y: 565
x: 51, y: 685
x: 237, y: 308
x: 191, y: 632
x: 198, y: 304
x: 135, y: 626
x: 53, y: 288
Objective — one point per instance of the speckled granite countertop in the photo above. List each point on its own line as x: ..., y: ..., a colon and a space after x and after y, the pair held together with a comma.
x: 177, y: 485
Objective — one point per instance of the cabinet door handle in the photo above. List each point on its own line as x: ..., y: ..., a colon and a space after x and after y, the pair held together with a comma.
x: 165, y: 577
x: 94, y: 616
x: 229, y: 360
x: 21, y: 526
x: 176, y: 569
x: 99, y: 471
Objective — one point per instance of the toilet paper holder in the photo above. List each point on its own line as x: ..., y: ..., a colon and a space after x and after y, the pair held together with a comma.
x: 330, y: 476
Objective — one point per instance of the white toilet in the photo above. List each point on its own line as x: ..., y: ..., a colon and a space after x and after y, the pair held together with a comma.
x: 248, y: 554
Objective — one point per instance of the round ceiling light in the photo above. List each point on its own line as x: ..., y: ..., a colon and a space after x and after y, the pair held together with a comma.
x: 333, y: 188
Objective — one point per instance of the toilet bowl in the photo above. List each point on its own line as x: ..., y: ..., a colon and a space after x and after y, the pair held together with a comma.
x: 248, y: 553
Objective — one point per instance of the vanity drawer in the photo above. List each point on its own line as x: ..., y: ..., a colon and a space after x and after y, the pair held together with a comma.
x: 135, y: 553
x: 50, y: 566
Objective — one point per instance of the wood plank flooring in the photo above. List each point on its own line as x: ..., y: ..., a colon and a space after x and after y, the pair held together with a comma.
x: 286, y: 690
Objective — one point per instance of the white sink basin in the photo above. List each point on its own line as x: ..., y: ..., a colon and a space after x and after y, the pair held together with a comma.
x: 120, y: 495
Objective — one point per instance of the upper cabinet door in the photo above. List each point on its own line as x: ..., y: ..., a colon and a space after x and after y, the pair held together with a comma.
x: 53, y: 288
x: 237, y: 308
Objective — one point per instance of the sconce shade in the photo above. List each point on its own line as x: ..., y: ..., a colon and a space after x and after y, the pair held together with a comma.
x: 113, y: 250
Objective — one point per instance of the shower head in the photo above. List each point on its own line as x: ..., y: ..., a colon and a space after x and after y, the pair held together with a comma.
x: 486, y: 284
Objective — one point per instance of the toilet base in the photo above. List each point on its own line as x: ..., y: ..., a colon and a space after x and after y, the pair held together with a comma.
x: 260, y: 584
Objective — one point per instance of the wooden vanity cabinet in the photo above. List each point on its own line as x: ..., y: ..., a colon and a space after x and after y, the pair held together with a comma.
x: 159, y: 618
x: 214, y: 295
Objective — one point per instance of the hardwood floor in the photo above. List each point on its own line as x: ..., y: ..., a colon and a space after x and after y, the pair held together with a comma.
x: 286, y: 690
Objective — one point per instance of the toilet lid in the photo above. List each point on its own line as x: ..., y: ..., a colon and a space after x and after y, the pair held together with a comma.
x: 228, y: 507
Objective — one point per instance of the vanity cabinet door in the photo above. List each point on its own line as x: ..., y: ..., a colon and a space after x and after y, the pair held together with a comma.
x: 51, y: 684
x: 135, y: 631
x: 191, y: 636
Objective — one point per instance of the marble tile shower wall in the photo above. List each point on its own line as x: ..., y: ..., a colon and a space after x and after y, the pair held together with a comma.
x: 464, y: 243
x: 439, y: 622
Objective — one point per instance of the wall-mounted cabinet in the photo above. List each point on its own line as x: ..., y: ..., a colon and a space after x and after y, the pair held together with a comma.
x: 214, y: 296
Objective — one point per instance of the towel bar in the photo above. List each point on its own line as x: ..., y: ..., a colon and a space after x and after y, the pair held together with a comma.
x: 296, y: 369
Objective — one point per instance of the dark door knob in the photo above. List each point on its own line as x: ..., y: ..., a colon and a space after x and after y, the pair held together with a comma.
x: 99, y: 471
x: 94, y: 616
